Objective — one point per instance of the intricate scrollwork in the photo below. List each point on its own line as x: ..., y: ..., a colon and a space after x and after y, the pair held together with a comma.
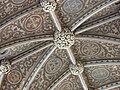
x: 90, y: 49
x: 5, y: 67
x: 14, y: 77
x: 104, y: 74
x: 48, y: 6
x: 76, y: 69
x: 70, y: 83
x: 53, y: 65
x: 64, y: 39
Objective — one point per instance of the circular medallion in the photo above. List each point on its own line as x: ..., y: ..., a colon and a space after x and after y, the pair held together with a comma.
x: 100, y: 73
x: 33, y: 22
x: 66, y: 86
x: 18, y: 1
x: 53, y: 65
x: 90, y: 49
x: 73, y: 6
x: 14, y: 77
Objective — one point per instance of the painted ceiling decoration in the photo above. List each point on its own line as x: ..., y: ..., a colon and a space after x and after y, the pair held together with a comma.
x: 59, y: 44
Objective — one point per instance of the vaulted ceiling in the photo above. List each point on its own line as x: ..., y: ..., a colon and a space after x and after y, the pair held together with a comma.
x: 60, y: 45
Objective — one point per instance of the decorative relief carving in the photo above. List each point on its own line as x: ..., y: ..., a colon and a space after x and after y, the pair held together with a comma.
x: 33, y: 22
x: 59, y: 61
x: 53, y: 65
x: 64, y: 39
x: 18, y: 1
x: 90, y: 49
x: 101, y: 75
x: 69, y: 11
x: 86, y: 50
x: 66, y: 86
x: 5, y: 66
x: 10, y: 32
x: 21, y: 48
x: 57, y: 64
x: 108, y: 29
x: 73, y: 6
x: 14, y: 77
x: 63, y: 17
x: 8, y: 7
x: 76, y: 69
x: 88, y: 10
x: 105, y: 12
x: 48, y: 6
x: 70, y: 83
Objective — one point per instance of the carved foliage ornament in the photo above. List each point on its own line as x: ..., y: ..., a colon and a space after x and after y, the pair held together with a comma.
x: 64, y: 39
x: 76, y: 69
x: 5, y: 67
x: 48, y: 6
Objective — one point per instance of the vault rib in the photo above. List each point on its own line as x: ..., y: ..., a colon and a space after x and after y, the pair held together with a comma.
x: 101, y: 63
x: 59, y: 80
x: 31, y: 53
x: 109, y: 86
x: 101, y: 22
x: 50, y: 6
x: 37, y: 68
x: 93, y: 12
x: 77, y: 70
x: 72, y: 58
x: 83, y: 81
x: 24, y: 41
x: 1, y: 78
x: 56, y: 21
x: 98, y: 38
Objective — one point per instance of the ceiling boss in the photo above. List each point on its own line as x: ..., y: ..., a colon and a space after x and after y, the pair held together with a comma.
x: 44, y: 47
x: 63, y: 37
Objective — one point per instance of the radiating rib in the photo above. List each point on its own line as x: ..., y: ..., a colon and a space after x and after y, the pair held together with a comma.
x: 72, y: 58
x: 26, y: 40
x: 37, y: 68
x: 98, y: 38
x: 1, y: 78
x: 116, y: 16
x: 56, y: 21
x: 59, y: 80
x: 83, y: 81
x: 31, y: 53
x: 92, y: 12
x: 109, y: 86
x: 101, y: 64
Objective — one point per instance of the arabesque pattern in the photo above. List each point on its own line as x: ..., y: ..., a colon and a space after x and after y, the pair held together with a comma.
x: 59, y: 44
